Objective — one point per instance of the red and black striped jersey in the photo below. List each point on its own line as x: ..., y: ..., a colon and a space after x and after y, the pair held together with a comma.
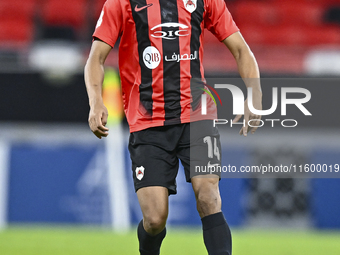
x: 161, y: 53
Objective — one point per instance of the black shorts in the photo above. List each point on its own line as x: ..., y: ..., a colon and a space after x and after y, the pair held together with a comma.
x: 155, y: 153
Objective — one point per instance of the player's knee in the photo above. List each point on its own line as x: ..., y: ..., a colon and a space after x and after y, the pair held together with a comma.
x: 208, y: 203
x: 155, y: 223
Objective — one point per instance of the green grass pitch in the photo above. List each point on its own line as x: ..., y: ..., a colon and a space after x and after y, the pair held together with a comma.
x: 86, y: 241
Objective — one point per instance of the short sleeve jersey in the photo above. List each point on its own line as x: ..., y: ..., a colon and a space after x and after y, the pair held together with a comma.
x: 161, y: 54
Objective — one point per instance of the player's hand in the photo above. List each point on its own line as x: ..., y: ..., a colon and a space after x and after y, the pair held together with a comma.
x: 248, y: 115
x: 98, y: 119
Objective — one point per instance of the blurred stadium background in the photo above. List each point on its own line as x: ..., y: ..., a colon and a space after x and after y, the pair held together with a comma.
x: 55, y: 196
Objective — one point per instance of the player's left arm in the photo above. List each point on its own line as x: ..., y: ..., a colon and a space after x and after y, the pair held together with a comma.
x: 249, y: 71
x: 94, y: 77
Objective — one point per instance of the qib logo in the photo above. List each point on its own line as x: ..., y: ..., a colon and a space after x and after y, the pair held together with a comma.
x: 238, y: 103
x: 151, y: 57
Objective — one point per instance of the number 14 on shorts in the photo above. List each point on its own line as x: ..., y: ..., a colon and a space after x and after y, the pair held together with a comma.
x: 212, y: 151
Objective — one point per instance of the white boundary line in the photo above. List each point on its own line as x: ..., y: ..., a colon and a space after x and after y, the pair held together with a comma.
x: 117, y: 183
x: 4, y: 158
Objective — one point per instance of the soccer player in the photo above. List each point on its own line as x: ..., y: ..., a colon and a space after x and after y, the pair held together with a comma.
x: 160, y: 57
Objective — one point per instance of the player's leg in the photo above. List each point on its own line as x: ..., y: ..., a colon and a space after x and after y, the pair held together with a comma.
x: 201, y: 146
x: 216, y: 232
x: 154, y: 205
x: 154, y: 166
x: 151, y: 230
x: 208, y: 199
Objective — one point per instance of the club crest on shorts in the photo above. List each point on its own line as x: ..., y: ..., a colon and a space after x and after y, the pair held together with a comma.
x: 140, y: 172
x: 190, y: 5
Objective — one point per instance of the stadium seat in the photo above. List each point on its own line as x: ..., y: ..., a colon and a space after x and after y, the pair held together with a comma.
x: 300, y: 13
x: 10, y: 8
x: 17, y: 22
x: 291, y: 35
x: 255, y: 13
x: 330, y: 2
x: 64, y: 13
x: 324, y: 35
x: 16, y: 32
x: 303, y: 36
x: 312, y: 2
x: 270, y: 35
x: 253, y: 34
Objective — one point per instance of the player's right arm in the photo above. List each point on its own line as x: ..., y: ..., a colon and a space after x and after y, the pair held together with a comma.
x: 94, y: 77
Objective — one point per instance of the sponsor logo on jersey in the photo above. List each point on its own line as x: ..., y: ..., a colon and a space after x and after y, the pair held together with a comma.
x: 173, y: 30
x: 138, y: 9
x: 151, y: 57
x: 178, y: 57
x: 140, y: 172
x: 190, y: 5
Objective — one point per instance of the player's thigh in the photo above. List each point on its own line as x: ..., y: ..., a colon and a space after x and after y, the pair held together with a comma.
x: 152, y: 163
x: 154, y: 203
